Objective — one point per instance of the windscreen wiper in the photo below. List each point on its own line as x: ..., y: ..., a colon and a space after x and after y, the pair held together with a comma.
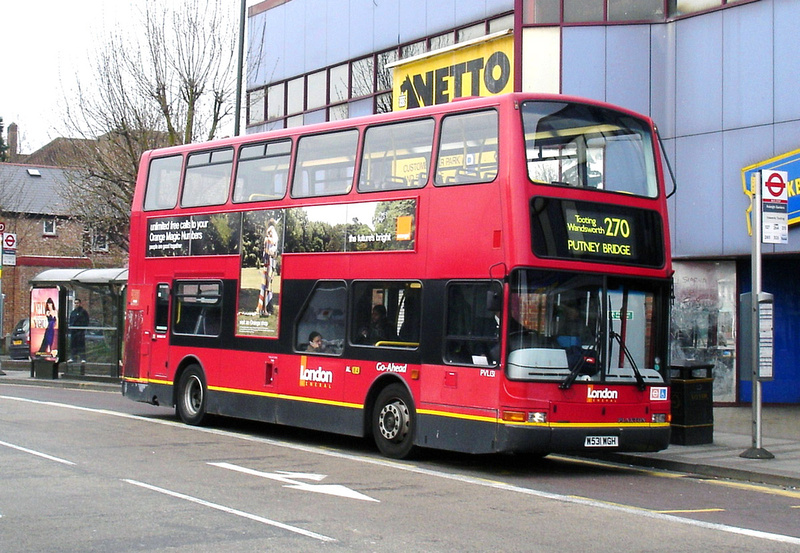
x: 586, y: 359
x: 576, y: 370
x: 639, y: 379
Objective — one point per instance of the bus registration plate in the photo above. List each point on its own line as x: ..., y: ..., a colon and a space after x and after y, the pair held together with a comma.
x: 601, y: 441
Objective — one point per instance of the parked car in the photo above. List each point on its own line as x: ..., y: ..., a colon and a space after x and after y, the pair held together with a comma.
x: 20, y: 346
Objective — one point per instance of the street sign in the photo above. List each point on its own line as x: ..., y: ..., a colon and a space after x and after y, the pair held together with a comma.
x: 9, y: 246
x: 774, y: 207
x: 10, y: 241
x: 788, y: 163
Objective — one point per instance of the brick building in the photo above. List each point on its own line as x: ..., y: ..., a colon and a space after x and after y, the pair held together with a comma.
x: 33, y: 206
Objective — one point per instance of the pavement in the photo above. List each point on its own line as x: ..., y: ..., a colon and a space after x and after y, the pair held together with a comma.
x: 733, y: 434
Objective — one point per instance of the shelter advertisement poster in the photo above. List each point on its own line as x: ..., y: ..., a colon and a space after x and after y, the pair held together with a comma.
x: 44, y: 323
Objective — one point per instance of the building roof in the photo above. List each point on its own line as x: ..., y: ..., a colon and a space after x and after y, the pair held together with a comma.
x: 33, y: 189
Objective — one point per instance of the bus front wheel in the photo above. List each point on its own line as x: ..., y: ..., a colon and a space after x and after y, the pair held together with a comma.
x: 393, y: 422
x: 191, y: 404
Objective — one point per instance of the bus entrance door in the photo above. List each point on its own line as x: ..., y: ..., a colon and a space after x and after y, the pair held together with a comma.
x: 159, y: 334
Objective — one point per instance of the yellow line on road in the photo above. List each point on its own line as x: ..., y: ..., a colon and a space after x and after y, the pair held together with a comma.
x: 755, y: 488
x: 672, y: 512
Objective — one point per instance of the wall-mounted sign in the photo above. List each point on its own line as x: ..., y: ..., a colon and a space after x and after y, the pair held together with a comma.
x: 475, y: 68
x: 788, y: 162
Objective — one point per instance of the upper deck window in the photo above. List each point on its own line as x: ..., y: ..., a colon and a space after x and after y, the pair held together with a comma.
x: 262, y: 172
x: 467, y: 149
x: 208, y: 178
x: 396, y: 156
x: 588, y: 147
x: 163, y: 180
x: 325, y: 164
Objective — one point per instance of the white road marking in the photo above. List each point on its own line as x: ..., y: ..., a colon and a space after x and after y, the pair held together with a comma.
x: 231, y: 511
x: 291, y: 479
x: 437, y: 474
x: 37, y: 453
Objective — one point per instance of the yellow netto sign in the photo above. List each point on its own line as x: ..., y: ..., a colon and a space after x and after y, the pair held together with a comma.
x: 478, y: 69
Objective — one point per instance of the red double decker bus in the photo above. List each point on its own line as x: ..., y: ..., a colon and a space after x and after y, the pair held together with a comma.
x: 491, y: 275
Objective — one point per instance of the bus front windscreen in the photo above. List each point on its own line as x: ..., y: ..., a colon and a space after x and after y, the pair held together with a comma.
x: 568, y: 327
x: 585, y: 146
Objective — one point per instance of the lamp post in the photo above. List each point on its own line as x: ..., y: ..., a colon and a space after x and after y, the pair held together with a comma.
x: 239, y: 72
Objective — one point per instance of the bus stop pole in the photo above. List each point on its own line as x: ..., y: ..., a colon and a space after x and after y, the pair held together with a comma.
x: 756, y: 451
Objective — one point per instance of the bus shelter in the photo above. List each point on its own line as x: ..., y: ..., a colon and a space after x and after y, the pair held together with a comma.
x: 76, y: 343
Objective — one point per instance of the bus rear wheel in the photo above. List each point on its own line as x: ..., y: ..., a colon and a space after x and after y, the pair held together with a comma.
x: 393, y: 422
x: 191, y: 401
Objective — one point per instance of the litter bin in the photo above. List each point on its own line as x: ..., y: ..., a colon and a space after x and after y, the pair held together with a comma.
x: 45, y: 368
x: 692, y: 404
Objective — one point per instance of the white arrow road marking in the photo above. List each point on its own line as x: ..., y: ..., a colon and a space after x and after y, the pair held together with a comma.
x: 291, y: 481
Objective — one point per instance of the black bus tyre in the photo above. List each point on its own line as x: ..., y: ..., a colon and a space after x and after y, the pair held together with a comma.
x: 394, y: 422
x: 191, y: 400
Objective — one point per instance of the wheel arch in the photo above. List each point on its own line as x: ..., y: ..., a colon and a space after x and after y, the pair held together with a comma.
x: 377, y: 387
x: 185, y: 363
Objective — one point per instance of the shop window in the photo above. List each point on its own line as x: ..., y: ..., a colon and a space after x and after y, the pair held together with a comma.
x: 337, y: 113
x: 317, y: 89
x: 275, y: 101
x: 255, y: 106
x: 581, y: 11
x: 295, y: 92
x: 441, y: 41
x: 703, y: 321
x: 541, y: 11
x: 410, y: 50
x: 471, y: 32
x: 384, y: 73
x: 339, y: 83
x: 683, y: 7
x: 363, y: 76
x: 501, y: 23
x: 635, y: 10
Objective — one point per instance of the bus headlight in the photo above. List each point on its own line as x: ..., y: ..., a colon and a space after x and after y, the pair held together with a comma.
x: 659, y: 418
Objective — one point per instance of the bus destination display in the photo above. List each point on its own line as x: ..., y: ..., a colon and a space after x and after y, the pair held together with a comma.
x: 588, y: 231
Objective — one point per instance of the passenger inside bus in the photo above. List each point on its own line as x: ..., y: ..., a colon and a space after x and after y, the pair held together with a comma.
x: 315, y: 343
x: 379, y: 329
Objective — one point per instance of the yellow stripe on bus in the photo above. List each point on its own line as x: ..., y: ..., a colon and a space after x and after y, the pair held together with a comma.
x: 431, y: 412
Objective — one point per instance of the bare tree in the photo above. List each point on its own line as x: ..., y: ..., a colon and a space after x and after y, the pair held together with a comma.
x: 167, y: 79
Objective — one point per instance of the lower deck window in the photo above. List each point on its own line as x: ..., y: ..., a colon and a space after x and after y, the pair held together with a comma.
x: 198, y: 308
